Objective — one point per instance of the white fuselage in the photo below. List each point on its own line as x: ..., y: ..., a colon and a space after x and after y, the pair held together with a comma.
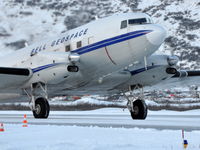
x: 104, y: 46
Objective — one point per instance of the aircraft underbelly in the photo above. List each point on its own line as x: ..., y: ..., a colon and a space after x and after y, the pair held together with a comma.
x: 94, y: 86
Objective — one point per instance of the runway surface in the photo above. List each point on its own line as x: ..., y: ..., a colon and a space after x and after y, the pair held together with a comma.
x: 110, y: 118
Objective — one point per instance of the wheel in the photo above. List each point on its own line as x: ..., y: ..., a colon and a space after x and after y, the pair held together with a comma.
x: 41, y: 108
x: 139, y: 110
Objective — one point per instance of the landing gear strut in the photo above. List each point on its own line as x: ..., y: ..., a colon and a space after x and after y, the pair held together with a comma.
x: 39, y: 100
x: 136, y: 105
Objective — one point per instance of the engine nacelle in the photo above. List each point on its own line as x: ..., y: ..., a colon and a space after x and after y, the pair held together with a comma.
x: 53, y: 67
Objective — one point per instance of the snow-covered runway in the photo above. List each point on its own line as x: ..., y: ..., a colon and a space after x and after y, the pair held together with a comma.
x: 116, y: 118
x: 52, y: 137
x: 99, y: 130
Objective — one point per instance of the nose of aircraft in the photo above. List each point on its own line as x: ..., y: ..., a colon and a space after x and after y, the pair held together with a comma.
x: 157, y: 36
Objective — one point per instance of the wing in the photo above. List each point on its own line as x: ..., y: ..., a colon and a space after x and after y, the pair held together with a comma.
x: 180, y: 79
x: 185, y: 73
x: 14, y: 77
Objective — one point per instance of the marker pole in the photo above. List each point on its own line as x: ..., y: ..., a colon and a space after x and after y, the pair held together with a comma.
x: 182, y: 134
x: 185, y: 142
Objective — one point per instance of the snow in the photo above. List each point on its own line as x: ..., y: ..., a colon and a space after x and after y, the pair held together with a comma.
x: 89, y: 100
x: 184, y: 101
x: 53, y: 137
x: 160, y: 11
x: 46, y: 137
x: 42, y: 22
x: 84, y: 100
x: 108, y: 111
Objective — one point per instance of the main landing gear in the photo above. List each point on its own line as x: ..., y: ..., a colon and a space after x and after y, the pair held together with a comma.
x: 136, y: 105
x: 41, y: 108
x: 39, y: 100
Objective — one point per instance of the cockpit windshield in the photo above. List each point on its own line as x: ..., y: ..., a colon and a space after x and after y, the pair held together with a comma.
x: 137, y: 21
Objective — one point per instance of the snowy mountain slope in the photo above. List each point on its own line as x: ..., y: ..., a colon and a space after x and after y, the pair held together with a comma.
x: 27, y: 21
x: 181, y: 19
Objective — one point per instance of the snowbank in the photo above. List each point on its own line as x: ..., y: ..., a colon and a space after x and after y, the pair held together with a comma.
x: 45, y: 137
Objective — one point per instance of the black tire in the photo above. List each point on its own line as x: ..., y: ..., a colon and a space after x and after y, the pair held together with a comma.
x: 42, y: 108
x: 47, y: 109
x: 140, y: 110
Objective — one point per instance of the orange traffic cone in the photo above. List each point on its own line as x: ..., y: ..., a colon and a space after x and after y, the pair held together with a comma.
x: 25, y: 122
x: 1, y: 127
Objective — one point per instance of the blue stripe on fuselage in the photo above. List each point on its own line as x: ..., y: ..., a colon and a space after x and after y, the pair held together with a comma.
x: 110, y: 41
x: 45, y: 67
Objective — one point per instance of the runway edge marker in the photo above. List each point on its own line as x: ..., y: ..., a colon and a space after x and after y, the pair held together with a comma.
x: 1, y: 128
x: 25, y: 122
x: 185, y: 142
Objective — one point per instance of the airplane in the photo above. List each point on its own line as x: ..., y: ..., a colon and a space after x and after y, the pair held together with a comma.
x: 115, y: 54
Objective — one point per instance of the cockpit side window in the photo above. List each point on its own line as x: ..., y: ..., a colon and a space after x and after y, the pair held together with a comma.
x: 137, y: 21
x: 123, y: 24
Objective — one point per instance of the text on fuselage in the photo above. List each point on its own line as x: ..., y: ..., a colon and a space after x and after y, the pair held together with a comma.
x: 59, y: 41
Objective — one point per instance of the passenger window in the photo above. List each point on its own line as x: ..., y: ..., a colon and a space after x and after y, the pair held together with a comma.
x: 137, y: 21
x: 67, y: 48
x: 123, y: 24
x: 78, y: 44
